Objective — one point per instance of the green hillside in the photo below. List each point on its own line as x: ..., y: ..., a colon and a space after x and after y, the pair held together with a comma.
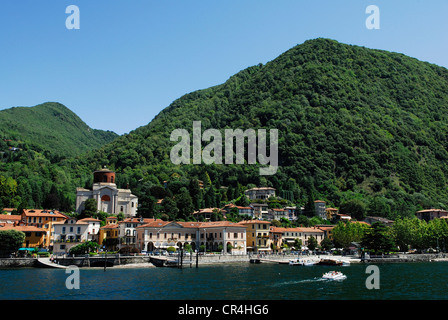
x: 50, y: 127
x: 353, y: 122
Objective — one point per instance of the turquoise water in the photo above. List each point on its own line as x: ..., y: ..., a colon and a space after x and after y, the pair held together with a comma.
x: 243, y: 281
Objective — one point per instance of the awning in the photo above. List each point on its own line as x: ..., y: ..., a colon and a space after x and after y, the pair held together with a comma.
x: 26, y: 249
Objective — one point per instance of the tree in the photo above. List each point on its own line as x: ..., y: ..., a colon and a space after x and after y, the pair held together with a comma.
x: 311, y: 243
x: 346, y: 232
x: 90, y: 208
x: 184, y: 204
x: 378, y: 238
x: 10, y: 241
x: 195, y: 193
x: 169, y: 208
x: 326, y: 244
x: 84, y: 248
x: 354, y: 208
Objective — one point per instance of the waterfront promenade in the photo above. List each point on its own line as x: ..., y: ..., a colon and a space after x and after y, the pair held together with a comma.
x: 120, y: 261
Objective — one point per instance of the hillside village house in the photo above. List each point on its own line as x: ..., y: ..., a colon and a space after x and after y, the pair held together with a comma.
x: 160, y: 235
x: 260, y: 193
x: 319, y: 207
x: 109, y: 198
x: 260, y: 210
x: 430, y: 214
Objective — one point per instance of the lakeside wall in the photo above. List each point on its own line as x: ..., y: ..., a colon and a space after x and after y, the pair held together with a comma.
x: 117, y: 260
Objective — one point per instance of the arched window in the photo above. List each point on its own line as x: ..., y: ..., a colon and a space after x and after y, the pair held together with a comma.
x: 105, y: 198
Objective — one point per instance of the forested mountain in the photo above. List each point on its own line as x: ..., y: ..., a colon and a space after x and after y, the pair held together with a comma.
x: 49, y: 128
x: 353, y: 122
x: 33, y: 142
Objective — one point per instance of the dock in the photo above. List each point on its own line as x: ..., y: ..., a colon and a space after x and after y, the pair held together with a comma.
x: 46, y: 263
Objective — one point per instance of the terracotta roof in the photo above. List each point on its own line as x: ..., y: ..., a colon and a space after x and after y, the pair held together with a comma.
x: 254, y: 221
x: 10, y: 217
x: 90, y: 219
x: 111, y: 226
x: 212, y: 224
x: 43, y: 213
x: 23, y: 228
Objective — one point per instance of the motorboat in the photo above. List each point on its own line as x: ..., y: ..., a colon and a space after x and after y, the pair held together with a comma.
x: 334, y: 275
x: 309, y: 263
x: 295, y: 263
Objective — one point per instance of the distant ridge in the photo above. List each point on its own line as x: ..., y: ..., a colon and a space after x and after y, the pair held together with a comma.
x: 50, y: 127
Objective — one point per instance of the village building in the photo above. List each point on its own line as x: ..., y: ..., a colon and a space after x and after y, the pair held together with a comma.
x: 260, y: 210
x: 430, y: 214
x: 43, y: 219
x: 257, y: 235
x: 223, y: 236
x: 109, y: 198
x: 289, y: 236
x: 319, y: 207
x: 127, y: 230
x: 68, y: 234
x: 93, y: 229
x: 260, y: 193
x: 34, y: 236
x: 7, y: 219
x: 108, y: 234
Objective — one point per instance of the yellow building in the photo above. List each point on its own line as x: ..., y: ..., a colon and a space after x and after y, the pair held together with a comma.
x: 109, y: 231
x: 43, y: 219
x: 257, y: 235
x: 34, y: 236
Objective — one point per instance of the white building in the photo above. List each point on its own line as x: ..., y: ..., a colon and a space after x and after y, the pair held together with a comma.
x: 260, y: 193
x: 109, y: 198
x: 69, y: 233
x: 93, y: 228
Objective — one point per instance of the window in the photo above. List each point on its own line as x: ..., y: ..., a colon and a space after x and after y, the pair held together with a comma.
x: 71, y: 229
x: 63, y: 230
x: 78, y: 230
x: 235, y: 235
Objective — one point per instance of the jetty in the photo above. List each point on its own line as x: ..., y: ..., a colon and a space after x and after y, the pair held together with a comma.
x: 47, y: 263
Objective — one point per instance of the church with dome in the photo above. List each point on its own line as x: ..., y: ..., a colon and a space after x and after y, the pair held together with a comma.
x: 109, y: 198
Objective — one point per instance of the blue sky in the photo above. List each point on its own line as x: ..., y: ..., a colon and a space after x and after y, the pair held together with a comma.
x: 131, y: 59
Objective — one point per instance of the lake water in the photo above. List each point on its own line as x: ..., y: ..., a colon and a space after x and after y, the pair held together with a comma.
x: 241, y: 281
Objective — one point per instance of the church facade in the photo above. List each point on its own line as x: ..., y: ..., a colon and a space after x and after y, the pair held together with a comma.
x: 109, y: 198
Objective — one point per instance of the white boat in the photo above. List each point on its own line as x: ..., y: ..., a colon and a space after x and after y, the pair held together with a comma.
x: 309, y: 263
x: 334, y: 275
x: 295, y: 263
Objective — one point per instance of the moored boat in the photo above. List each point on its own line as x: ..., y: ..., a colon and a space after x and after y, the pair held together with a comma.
x: 329, y: 262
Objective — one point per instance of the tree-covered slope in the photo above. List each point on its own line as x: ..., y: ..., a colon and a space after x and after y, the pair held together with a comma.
x: 50, y: 127
x: 353, y: 122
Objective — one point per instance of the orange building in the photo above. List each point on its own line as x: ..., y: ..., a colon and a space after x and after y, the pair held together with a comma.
x: 43, y: 219
x: 34, y: 236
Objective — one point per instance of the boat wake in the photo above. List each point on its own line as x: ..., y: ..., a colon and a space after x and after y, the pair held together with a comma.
x: 279, y: 284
